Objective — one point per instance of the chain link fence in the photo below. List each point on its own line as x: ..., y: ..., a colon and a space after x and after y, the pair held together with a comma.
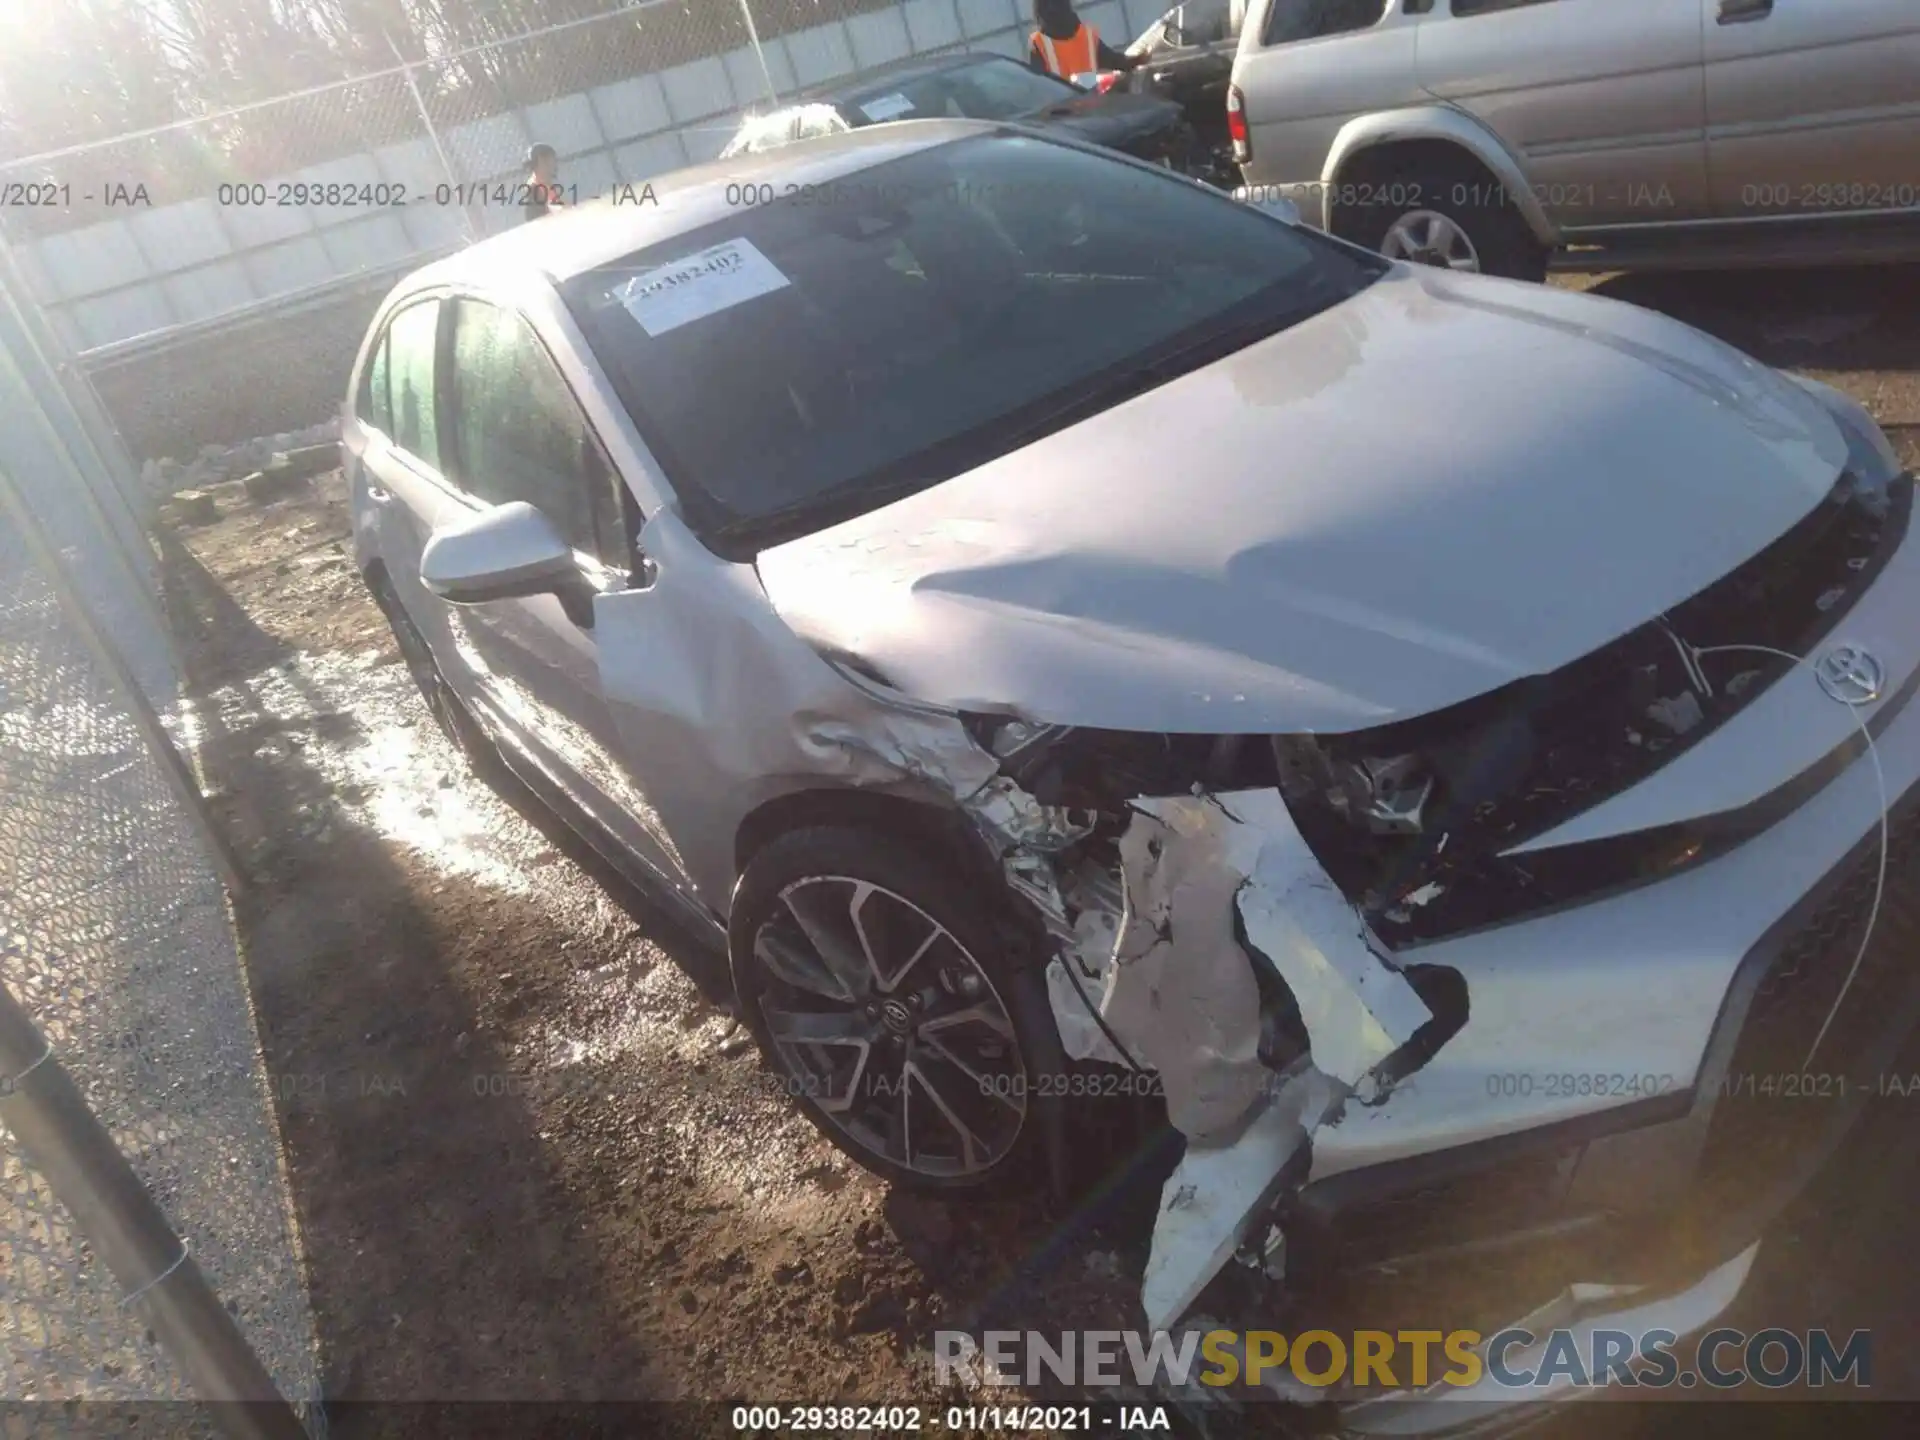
x: 117, y: 944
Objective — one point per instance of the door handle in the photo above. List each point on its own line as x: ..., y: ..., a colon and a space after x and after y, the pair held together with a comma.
x: 1740, y: 12
x: 1161, y: 77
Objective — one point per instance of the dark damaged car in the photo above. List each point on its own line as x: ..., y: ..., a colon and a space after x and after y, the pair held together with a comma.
x: 979, y: 87
x: 1452, y: 736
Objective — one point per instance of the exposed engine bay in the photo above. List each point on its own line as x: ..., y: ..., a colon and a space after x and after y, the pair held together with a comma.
x: 1419, y: 822
x: 1229, y: 911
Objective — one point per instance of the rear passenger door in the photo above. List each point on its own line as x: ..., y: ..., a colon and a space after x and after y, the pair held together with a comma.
x: 402, y: 479
x: 1813, y: 106
x: 1601, y: 101
x: 514, y: 431
x: 1190, y: 58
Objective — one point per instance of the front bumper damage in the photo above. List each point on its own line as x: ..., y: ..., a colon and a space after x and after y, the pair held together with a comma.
x: 1552, y: 1105
x: 1169, y: 970
x: 1216, y: 887
x: 1167, y: 961
x: 1173, y: 971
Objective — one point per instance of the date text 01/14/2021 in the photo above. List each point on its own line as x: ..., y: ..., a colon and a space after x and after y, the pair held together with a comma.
x: 1111, y: 1418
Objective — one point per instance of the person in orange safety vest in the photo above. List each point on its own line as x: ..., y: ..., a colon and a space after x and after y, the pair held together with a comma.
x: 1065, y: 45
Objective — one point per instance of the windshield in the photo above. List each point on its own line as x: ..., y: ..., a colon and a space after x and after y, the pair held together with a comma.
x: 992, y: 89
x: 803, y: 361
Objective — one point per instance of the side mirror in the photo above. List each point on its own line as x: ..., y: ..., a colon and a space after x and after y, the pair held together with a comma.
x: 505, y: 553
x: 1268, y: 200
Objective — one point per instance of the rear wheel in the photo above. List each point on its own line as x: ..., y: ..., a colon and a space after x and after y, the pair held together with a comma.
x: 900, y: 1018
x: 1445, y: 213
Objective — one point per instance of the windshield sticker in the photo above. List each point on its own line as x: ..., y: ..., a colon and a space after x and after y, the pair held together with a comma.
x: 698, y: 285
x: 887, y: 107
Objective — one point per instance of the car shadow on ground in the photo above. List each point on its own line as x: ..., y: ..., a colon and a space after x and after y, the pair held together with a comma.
x: 638, y: 1221
x: 1842, y: 318
x: 450, y: 1255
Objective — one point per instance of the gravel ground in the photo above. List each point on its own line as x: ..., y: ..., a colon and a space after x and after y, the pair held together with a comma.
x: 533, y: 1155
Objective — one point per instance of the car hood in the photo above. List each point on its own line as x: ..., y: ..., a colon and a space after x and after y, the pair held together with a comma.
x: 1439, y: 486
x: 1115, y: 120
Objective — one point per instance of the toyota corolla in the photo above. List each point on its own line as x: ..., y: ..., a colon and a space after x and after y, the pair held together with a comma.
x: 1447, y: 738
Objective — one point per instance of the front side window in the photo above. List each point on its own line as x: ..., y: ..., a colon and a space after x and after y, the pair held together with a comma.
x: 520, y: 435
x: 795, y: 362
x: 996, y: 89
x: 1199, y: 22
x: 1312, y: 19
x: 413, y: 347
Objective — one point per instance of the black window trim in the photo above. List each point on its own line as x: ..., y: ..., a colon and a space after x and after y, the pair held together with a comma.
x: 605, y: 574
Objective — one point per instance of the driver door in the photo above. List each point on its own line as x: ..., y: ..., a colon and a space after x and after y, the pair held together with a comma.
x: 1190, y: 60
x: 516, y: 432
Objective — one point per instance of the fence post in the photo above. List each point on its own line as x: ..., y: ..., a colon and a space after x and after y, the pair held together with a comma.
x: 475, y: 231
x: 759, y: 51
x: 63, y: 1139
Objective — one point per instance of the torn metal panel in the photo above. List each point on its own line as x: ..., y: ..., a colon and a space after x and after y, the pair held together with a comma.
x: 731, y: 710
x: 1098, y: 899
x: 885, y: 745
x: 1013, y: 819
x: 1215, y: 1193
x: 1356, y: 1005
x: 1182, y: 994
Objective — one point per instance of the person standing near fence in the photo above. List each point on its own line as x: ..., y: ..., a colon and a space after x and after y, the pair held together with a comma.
x: 543, y: 182
x: 1065, y: 45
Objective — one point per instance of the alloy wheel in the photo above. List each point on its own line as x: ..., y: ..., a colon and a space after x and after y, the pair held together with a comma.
x: 890, y: 1026
x: 1426, y: 237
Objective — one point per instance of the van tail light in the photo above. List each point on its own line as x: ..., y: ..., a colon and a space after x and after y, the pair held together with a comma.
x: 1237, y: 126
x: 1108, y: 79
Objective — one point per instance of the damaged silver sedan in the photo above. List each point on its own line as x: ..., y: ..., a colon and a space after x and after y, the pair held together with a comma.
x: 1447, y: 739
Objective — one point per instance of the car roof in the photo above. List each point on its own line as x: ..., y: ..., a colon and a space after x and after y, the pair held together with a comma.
x: 895, y: 73
x: 578, y: 238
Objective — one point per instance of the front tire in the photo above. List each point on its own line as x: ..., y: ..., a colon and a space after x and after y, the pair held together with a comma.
x: 912, y: 1030
x: 1448, y: 215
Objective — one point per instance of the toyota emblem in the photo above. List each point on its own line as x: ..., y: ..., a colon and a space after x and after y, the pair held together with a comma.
x: 1850, y: 674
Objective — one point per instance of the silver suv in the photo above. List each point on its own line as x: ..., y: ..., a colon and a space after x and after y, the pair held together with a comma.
x: 1504, y: 135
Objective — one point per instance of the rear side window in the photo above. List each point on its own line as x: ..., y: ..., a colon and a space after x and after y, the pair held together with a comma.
x: 373, y: 404
x: 520, y: 435
x: 413, y: 347
x: 1311, y: 19
x: 1200, y: 22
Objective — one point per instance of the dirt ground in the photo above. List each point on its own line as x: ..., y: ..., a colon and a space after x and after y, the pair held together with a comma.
x: 533, y: 1156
